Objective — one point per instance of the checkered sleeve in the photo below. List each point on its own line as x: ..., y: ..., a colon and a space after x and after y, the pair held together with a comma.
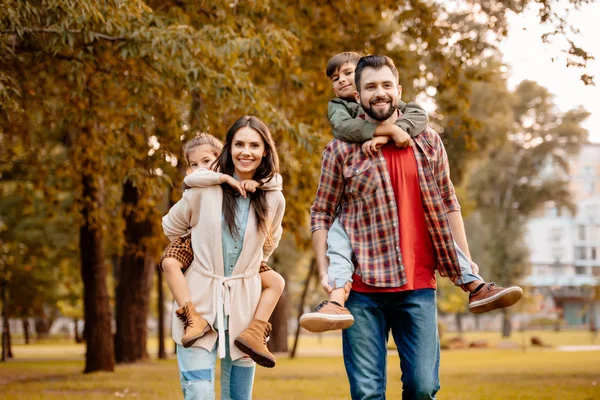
x: 442, y: 177
x: 330, y: 191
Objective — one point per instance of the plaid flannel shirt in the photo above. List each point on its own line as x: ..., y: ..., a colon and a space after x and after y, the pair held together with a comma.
x: 361, y: 186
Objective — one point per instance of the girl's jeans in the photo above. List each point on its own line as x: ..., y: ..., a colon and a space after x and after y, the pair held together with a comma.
x: 197, y: 374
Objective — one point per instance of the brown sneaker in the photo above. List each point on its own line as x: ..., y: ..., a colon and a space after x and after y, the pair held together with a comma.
x: 194, y: 325
x: 492, y: 297
x: 253, y: 341
x: 327, y: 316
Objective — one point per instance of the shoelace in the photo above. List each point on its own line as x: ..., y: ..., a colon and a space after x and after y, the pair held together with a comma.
x: 323, y: 304
x: 267, y: 334
x: 186, y: 318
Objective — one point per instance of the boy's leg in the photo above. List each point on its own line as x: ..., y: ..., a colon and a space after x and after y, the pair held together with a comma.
x: 253, y: 340
x: 484, y: 297
x: 237, y: 377
x: 197, y: 372
x: 332, y: 315
x: 413, y: 321
x: 365, y: 346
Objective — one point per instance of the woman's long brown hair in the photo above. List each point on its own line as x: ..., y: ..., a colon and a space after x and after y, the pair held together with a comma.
x: 268, y: 167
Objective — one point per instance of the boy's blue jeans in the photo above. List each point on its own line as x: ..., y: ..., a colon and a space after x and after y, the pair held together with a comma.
x: 412, y: 318
x: 341, y: 268
x: 197, y: 374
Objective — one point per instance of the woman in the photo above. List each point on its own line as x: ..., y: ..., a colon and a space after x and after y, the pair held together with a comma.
x: 231, y: 235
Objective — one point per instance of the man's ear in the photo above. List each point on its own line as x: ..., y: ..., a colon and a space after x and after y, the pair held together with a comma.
x: 357, y: 96
x: 399, y: 91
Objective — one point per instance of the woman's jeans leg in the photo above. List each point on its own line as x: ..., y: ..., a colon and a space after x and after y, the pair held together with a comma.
x: 237, y: 377
x: 197, y: 374
x: 412, y: 317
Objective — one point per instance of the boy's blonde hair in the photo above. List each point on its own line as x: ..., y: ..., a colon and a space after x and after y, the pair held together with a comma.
x: 200, y: 140
x: 335, y: 62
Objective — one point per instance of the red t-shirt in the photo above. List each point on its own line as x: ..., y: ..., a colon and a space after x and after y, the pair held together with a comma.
x: 418, y: 255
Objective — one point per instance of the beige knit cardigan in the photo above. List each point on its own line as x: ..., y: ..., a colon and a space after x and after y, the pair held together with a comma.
x: 200, y: 212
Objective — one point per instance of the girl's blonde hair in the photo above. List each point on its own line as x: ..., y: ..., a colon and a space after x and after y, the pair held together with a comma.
x: 200, y: 140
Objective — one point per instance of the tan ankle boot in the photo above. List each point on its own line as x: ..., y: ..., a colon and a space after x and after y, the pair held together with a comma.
x: 253, y: 341
x: 194, y: 325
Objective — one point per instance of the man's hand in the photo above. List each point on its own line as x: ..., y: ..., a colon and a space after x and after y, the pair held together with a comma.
x: 475, y: 268
x: 400, y: 136
x: 370, y: 147
x: 250, y: 185
x: 234, y: 183
x: 328, y: 289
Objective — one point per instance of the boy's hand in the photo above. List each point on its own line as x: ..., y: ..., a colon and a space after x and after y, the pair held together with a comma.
x: 250, y: 185
x: 370, y: 147
x: 401, y: 138
x: 328, y: 289
x: 234, y: 183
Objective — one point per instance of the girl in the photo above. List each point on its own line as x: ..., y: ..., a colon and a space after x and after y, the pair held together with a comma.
x: 231, y: 235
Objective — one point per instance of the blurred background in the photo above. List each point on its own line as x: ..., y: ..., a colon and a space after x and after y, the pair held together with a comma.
x: 98, y: 97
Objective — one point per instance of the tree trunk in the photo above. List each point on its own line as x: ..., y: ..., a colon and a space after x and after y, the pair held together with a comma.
x: 25, y: 321
x: 42, y: 326
x: 506, y: 324
x: 9, y: 341
x: 162, y: 354
x: 78, y: 338
x: 279, y: 321
x: 135, y: 283
x: 459, y: 327
x: 311, y: 271
x: 100, y: 354
x: 5, y: 344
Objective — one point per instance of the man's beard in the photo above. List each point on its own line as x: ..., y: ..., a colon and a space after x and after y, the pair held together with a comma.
x: 383, y: 114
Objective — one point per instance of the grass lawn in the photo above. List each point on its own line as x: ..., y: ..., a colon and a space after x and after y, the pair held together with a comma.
x: 466, y: 374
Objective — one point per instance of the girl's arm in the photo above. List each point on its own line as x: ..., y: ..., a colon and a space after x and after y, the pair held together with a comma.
x: 203, y: 178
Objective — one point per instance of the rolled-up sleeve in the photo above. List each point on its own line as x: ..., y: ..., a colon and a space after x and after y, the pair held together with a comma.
x: 177, y: 222
x: 442, y: 176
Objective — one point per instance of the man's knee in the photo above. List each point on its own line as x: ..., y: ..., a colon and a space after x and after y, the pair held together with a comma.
x: 420, y: 389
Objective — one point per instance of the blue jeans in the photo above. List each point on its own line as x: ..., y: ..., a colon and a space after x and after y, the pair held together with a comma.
x: 412, y: 318
x: 197, y: 374
x: 341, y: 267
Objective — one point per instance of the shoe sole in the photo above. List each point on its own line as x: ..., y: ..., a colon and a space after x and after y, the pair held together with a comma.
x: 504, y: 299
x: 256, y: 357
x: 190, y: 342
x: 323, y: 323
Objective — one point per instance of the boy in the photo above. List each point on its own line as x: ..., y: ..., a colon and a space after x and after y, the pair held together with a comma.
x: 342, y: 113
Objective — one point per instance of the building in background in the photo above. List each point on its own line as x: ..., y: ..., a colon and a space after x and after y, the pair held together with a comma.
x: 565, y: 248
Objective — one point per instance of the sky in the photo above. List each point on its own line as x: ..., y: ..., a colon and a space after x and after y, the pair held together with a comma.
x: 529, y: 58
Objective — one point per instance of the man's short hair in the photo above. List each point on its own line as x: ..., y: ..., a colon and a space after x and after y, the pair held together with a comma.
x: 375, y: 62
x: 335, y: 62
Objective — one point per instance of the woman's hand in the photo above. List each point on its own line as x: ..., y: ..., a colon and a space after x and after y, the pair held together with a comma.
x: 234, y: 183
x: 250, y: 185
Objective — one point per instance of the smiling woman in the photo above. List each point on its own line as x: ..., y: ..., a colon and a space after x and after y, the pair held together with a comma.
x: 235, y: 221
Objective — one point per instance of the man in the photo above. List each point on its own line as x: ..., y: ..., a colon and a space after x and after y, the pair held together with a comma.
x: 402, y: 217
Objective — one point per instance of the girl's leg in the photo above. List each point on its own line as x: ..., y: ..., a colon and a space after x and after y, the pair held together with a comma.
x: 176, y: 281
x: 253, y: 340
x: 197, y: 372
x: 272, y: 288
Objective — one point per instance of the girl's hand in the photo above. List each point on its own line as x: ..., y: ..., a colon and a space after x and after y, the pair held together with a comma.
x: 370, y: 147
x: 234, y: 183
x: 250, y: 185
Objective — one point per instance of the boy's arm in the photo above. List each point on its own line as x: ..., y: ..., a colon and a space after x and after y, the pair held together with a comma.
x: 345, y: 126
x: 414, y: 119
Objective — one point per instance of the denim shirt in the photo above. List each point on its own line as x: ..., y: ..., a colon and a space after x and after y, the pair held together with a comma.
x: 232, y: 244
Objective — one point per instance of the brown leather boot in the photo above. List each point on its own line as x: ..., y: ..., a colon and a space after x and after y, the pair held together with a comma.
x: 253, y: 341
x: 194, y: 325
